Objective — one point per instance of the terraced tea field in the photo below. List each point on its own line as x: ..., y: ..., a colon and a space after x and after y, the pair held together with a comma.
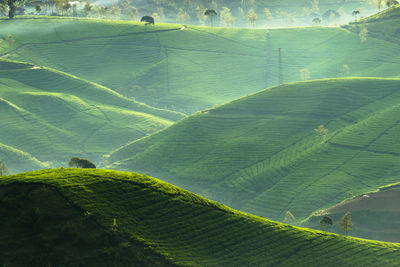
x: 260, y: 153
x: 189, y: 68
x: 53, y: 116
x: 193, y: 231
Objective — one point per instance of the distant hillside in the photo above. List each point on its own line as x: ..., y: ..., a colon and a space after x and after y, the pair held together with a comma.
x: 375, y: 215
x: 384, y: 25
x: 54, y: 116
x: 191, y: 68
x: 186, y: 229
x: 260, y: 153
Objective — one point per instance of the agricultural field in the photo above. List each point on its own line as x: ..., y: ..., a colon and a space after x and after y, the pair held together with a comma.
x: 48, y: 116
x: 260, y: 153
x: 156, y: 218
x: 190, y: 68
x: 375, y: 215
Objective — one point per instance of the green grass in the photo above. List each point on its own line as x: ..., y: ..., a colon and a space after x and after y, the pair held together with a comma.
x: 53, y: 116
x: 193, y: 68
x: 193, y: 231
x: 40, y: 227
x: 260, y: 154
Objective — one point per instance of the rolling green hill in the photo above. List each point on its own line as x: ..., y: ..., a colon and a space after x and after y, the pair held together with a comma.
x: 375, y: 215
x: 260, y: 154
x: 191, y: 68
x: 53, y: 116
x: 383, y: 25
x: 186, y: 229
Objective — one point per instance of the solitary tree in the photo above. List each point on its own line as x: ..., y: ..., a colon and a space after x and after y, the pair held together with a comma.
x: 305, y: 74
x: 226, y: 19
x: 252, y: 17
x: 211, y: 13
x: 289, y: 217
x: 390, y: 3
x: 147, y: 20
x: 355, y: 14
x: 326, y: 221
x: 10, y: 41
x: 345, y: 223
x: 3, y: 169
x: 363, y: 34
x: 12, y: 8
x: 321, y: 133
x: 182, y: 17
x: 81, y: 163
x: 316, y: 21
x: 87, y: 8
x: 38, y: 9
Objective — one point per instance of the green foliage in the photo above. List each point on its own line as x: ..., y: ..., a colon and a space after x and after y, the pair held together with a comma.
x: 326, y: 221
x: 81, y: 163
x: 289, y: 218
x: 346, y: 223
x: 193, y: 231
x: 3, y: 168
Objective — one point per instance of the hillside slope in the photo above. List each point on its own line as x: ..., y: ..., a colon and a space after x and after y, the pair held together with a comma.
x: 192, y: 231
x: 53, y: 116
x: 375, y: 215
x: 383, y: 25
x: 260, y: 153
x: 192, y: 68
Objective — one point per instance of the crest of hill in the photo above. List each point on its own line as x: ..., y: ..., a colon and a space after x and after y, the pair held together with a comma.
x: 260, y: 153
x: 192, y: 231
x: 192, y: 68
x: 383, y: 25
x: 375, y: 215
x: 53, y: 116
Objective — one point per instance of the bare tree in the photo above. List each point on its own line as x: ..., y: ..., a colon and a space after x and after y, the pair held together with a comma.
x: 252, y: 17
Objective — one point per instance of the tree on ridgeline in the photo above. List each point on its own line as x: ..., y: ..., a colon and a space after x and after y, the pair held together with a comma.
x: 305, y: 74
x: 12, y: 8
x: 316, y: 21
x: 38, y: 9
x: 346, y: 223
x: 355, y: 13
x: 289, y: 218
x: 147, y: 20
x: 363, y: 34
x: 326, y: 221
x: 225, y: 18
x: 252, y: 17
x: 182, y: 17
x: 87, y: 8
x: 211, y: 13
x: 330, y: 15
x: 390, y: 3
x: 3, y: 169
x: 76, y: 162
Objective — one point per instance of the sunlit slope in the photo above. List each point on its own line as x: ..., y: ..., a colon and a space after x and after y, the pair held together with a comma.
x: 53, y: 116
x: 260, y: 153
x: 40, y: 227
x: 375, y: 215
x: 191, y: 230
x: 383, y: 25
x: 192, y: 68
x: 17, y: 160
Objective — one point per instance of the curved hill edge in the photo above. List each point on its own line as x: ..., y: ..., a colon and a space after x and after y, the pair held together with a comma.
x: 104, y: 194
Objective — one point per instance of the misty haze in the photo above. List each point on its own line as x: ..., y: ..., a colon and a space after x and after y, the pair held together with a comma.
x: 271, y: 129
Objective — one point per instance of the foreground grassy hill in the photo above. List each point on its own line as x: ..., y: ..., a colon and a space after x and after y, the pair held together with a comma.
x: 192, y: 68
x: 260, y: 153
x: 53, y: 116
x: 187, y: 229
x: 375, y: 215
